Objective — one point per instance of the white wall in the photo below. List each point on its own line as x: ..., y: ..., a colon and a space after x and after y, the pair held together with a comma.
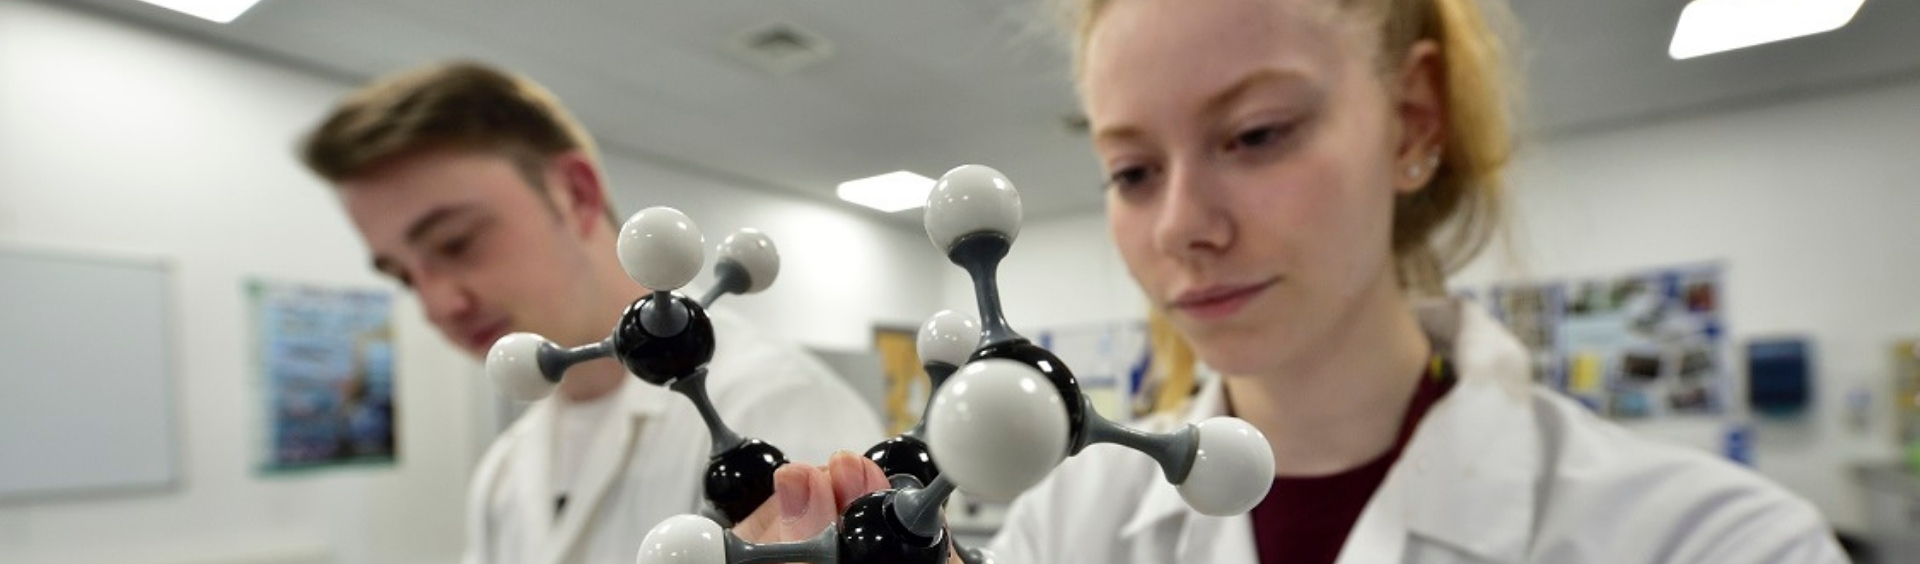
x: 1810, y: 204
x: 1060, y: 272
x: 116, y: 139
x: 842, y: 271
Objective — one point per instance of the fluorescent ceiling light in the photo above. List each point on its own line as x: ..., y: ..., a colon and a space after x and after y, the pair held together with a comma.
x: 1712, y: 26
x: 216, y: 11
x: 890, y: 192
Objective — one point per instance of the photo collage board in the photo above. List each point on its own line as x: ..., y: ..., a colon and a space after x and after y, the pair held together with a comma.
x: 1637, y: 345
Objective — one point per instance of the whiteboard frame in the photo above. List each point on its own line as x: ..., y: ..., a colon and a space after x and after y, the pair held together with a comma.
x: 173, y: 341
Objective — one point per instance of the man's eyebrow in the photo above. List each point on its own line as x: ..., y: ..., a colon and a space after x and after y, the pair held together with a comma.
x: 419, y: 230
x: 434, y: 218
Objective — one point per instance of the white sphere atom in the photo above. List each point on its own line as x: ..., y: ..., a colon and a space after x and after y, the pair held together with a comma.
x: 949, y: 337
x: 513, y: 364
x: 971, y: 199
x: 997, y: 428
x: 661, y: 248
x: 753, y: 251
x: 1233, y: 470
x: 684, y: 539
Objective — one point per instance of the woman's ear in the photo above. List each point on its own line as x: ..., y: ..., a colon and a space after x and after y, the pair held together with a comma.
x: 579, y: 194
x: 1420, y: 106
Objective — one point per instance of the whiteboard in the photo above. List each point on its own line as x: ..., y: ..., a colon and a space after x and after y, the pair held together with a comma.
x: 86, y: 369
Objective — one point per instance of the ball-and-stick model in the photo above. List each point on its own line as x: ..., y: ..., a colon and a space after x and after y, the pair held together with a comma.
x: 1008, y: 412
x: 665, y: 339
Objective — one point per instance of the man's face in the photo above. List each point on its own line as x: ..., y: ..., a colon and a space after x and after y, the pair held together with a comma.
x: 486, y: 253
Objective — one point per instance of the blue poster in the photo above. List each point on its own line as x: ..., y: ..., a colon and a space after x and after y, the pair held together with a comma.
x: 326, y: 362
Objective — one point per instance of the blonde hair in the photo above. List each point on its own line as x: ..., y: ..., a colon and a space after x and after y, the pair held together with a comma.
x: 458, y: 105
x: 1441, y: 227
x: 1172, y: 367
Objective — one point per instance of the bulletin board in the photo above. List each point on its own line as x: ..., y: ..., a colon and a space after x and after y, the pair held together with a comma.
x: 1109, y: 359
x: 86, y: 354
x: 1639, y: 344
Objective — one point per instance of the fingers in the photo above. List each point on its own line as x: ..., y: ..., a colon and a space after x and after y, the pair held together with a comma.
x: 806, y: 499
x: 854, y: 476
x: 801, y: 506
x: 849, y: 480
x: 876, y: 479
x: 755, y: 527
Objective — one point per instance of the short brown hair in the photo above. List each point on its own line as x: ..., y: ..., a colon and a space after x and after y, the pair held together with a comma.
x: 454, y: 105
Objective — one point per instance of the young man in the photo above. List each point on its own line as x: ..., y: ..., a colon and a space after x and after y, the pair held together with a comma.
x: 478, y: 191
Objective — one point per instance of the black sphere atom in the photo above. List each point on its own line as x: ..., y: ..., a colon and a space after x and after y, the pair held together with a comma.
x: 661, y: 359
x: 871, y: 533
x: 904, y: 455
x: 740, y: 480
x: 1025, y: 352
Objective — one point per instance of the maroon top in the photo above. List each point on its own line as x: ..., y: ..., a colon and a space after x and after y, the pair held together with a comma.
x: 1305, y: 520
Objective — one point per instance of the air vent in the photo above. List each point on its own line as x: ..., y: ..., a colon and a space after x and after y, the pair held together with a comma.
x: 780, y: 48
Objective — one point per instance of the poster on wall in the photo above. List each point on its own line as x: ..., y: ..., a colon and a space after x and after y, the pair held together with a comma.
x: 1532, y: 311
x: 325, y: 362
x: 1637, y: 345
x: 1108, y: 359
x: 1906, y: 385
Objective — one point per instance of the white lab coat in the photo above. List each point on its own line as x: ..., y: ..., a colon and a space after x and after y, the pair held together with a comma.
x: 648, y: 462
x: 1499, y: 471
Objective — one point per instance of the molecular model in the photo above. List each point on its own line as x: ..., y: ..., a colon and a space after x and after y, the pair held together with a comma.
x: 1004, y: 412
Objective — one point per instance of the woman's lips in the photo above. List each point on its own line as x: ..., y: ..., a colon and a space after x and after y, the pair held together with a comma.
x: 1219, y: 301
x: 483, y: 338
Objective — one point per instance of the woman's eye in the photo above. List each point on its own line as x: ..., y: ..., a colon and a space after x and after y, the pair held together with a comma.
x: 1256, y: 137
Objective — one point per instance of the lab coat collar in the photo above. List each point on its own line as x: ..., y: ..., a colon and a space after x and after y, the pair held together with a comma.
x: 605, y: 461
x: 1200, y: 537
x: 1469, y: 474
x: 1466, y: 478
x: 1163, y: 502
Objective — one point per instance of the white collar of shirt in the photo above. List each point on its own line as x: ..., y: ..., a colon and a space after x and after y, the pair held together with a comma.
x: 636, y: 399
x: 1467, y: 477
x: 576, y: 425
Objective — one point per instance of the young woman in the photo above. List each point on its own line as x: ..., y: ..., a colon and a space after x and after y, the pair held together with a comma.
x: 1286, y: 181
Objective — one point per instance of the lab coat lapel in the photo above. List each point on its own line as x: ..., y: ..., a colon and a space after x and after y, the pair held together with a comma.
x: 1164, y: 503
x: 605, y: 463
x: 486, y: 480
x: 1466, y: 479
x: 1473, y: 466
x: 1199, y: 537
x: 532, y: 487
x: 1379, y: 536
x: 1160, y: 508
x: 1219, y: 540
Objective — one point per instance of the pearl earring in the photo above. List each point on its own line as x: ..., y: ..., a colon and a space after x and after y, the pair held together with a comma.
x: 1415, y: 170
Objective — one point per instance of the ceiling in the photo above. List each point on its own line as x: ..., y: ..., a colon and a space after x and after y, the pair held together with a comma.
x: 925, y: 85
